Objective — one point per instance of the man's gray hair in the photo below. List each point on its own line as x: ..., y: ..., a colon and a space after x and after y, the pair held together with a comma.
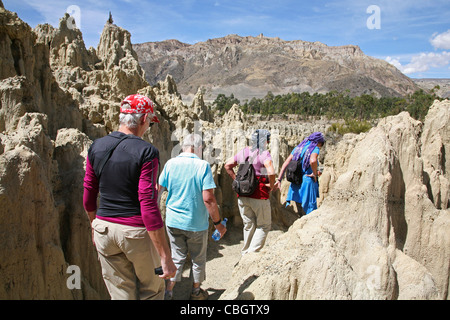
x: 192, y: 140
x: 130, y: 120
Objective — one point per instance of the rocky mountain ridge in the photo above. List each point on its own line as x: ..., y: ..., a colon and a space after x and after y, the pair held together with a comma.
x: 251, y: 66
x: 430, y: 84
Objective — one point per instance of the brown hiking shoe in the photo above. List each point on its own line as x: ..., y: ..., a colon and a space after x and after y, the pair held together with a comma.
x: 201, y: 295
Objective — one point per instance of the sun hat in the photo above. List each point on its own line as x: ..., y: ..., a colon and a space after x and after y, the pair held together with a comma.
x: 137, y: 103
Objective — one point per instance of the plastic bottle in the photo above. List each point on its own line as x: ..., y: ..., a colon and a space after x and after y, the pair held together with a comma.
x: 216, y: 234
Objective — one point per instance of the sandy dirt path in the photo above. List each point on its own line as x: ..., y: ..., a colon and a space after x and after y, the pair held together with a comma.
x: 222, y: 256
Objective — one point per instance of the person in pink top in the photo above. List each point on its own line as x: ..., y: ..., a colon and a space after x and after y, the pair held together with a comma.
x: 255, y: 209
x: 128, y: 231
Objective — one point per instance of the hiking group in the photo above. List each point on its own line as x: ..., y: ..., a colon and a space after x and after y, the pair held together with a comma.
x: 142, y: 256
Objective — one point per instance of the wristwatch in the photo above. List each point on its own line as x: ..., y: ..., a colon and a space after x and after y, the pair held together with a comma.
x: 218, y: 222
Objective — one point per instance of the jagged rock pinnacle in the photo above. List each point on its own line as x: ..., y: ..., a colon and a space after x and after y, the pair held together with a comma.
x: 110, y: 20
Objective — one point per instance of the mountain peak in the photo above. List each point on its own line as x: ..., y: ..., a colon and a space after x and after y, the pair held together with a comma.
x: 251, y: 66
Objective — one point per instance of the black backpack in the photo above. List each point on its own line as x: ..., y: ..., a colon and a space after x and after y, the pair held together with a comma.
x: 294, y: 172
x: 246, y: 181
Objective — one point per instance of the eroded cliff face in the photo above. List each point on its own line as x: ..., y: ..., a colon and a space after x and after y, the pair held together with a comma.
x: 43, y: 225
x: 56, y: 98
x: 381, y: 231
x: 377, y: 233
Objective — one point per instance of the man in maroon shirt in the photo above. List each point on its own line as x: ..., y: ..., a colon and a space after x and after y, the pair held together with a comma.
x: 127, y: 227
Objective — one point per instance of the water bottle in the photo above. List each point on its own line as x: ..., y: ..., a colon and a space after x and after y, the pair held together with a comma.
x: 216, y: 234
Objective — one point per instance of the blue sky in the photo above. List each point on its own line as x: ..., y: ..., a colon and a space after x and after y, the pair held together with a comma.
x: 414, y: 35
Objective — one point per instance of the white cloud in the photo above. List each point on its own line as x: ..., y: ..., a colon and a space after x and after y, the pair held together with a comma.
x: 395, y: 62
x: 422, y: 62
x: 51, y: 10
x: 441, y: 41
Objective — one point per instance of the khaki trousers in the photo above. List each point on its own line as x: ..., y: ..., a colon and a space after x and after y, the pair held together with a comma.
x: 128, y: 260
x: 257, y: 217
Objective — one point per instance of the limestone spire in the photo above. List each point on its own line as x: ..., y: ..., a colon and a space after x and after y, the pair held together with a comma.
x: 110, y: 20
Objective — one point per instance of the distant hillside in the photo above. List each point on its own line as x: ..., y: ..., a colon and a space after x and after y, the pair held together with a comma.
x: 251, y: 66
x: 428, y: 84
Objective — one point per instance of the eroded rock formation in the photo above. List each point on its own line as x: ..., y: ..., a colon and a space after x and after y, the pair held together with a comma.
x: 381, y: 231
x: 377, y: 234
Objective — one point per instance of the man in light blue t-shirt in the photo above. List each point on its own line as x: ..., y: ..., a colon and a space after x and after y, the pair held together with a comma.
x: 190, y: 201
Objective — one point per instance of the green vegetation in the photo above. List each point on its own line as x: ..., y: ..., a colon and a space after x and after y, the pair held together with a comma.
x: 357, y: 112
x: 354, y: 126
x: 223, y: 103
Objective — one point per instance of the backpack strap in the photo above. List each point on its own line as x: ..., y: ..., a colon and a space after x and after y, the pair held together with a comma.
x: 254, y: 156
x: 108, y: 154
x: 258, y: 178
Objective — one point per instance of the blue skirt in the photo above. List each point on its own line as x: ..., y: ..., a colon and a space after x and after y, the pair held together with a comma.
x: 306, y: 194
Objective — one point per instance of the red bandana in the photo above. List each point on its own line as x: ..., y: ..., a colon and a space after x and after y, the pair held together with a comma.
x: 137, y: 103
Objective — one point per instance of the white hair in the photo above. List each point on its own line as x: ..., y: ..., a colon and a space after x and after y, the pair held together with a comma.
x: 192, y: 140
x: 130, y: 120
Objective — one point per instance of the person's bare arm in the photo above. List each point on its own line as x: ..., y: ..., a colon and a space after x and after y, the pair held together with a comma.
x: 283, y: 169
x: 229, y: 165
x: 91, y: 215
x: 268, y: 164
x: 211, y: 205
x: 158, y: 238
x: 313, y: 161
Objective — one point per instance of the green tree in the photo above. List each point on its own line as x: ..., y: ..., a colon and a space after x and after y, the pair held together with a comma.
x: 334, y: 105
x: 223, y: 103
